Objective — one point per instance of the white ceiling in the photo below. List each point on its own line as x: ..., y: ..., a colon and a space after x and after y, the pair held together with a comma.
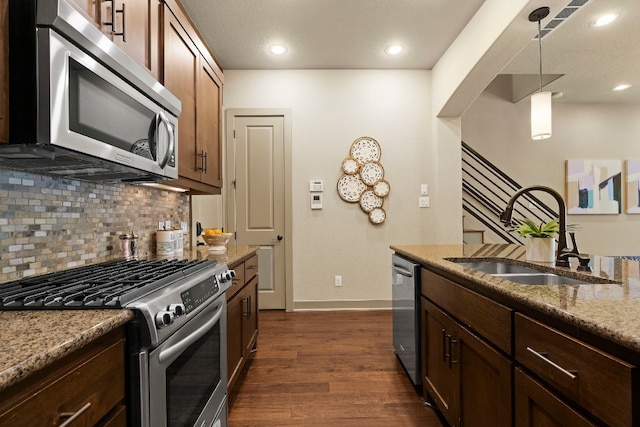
x: 352, y: 34
x: 329, y: 34
x: 591, y: 60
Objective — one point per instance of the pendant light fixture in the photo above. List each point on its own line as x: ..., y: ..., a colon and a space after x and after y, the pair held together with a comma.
x: 541, y: 101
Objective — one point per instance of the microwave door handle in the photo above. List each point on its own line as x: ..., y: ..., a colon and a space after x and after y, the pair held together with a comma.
x: 161, y: 119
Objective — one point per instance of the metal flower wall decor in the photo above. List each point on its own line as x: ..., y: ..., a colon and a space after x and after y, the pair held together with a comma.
x: 363, y: 180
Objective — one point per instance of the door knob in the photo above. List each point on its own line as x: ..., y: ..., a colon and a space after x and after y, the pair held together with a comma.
x: 279, y: 237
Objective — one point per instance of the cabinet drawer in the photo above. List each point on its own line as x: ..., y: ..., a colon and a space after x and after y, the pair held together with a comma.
x: 593, y: 379
x: 537, y: 406
x: 91, y: 388
x: 488, y: 318
x: 251, y: 267
x: 238, y: 282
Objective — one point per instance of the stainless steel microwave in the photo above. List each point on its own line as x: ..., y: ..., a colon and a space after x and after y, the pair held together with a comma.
x: 79, y: 107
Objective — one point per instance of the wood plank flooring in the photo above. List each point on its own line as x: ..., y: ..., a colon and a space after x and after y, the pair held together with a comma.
x: 327, y: 369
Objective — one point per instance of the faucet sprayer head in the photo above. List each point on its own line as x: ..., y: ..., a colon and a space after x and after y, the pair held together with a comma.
x: 505, y: 217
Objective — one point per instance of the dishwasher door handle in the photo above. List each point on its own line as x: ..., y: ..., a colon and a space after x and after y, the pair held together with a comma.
x: 402, y: 271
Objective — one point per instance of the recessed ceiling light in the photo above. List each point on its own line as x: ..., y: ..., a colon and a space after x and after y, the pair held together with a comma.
x: 622, y: 86
x: 394, y: 49
x: 605, y: 20
x: 277, y: 49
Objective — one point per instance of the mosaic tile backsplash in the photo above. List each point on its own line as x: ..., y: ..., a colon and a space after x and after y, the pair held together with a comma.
x: 49, y: 224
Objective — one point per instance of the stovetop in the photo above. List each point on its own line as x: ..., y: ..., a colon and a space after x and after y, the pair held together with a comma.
x: 111, y: 284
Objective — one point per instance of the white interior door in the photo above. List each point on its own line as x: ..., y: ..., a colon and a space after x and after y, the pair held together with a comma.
x: 257, y: 200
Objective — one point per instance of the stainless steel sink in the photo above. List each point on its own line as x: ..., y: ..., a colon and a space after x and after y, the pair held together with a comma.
x: 540, y: 279
x: 498, y: 267
x: 520, y: 273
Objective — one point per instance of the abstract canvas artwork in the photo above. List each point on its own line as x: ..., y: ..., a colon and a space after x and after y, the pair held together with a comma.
x: 594, y: 187
x: 633, y: 186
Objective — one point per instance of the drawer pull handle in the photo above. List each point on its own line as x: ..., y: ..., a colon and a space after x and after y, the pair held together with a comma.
x: 542, y: 356
x: 452, y: 360
x: 251, y: 267
x: 73, y: 415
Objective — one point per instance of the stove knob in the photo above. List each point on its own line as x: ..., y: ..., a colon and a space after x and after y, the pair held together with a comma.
x: 164, y: 318
x: 226, y: 276
x: 176, y: 309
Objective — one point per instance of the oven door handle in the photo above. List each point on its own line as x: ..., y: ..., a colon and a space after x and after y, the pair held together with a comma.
x: 182, y: 345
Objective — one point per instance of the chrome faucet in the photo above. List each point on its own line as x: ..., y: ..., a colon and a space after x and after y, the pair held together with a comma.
x: 505, y: 217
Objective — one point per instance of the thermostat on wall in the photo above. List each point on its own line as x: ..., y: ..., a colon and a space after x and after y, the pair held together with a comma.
x: 316, y: 185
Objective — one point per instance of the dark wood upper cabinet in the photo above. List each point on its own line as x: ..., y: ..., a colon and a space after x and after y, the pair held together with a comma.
x: 191, y: 74
x: 131, y: 25
x: 4, y: 71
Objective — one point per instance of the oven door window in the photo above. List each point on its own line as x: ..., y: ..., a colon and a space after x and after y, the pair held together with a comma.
x: 192, y: 378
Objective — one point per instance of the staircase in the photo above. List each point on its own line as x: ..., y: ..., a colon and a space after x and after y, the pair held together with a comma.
x: 485, y: 193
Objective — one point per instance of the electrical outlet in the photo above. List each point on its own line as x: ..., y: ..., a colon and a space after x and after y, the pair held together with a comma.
x: 423, y: 202
x: 160, y: 225
x: 337, y: 280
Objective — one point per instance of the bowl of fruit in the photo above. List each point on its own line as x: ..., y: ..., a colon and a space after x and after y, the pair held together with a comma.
x: 216, y: 239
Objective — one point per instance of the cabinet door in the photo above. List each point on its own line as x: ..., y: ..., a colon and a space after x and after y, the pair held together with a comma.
x: 535, y: 406
x: 440, y: 380
x: 483, y: 372
x: 250, y: 317
x: 234, y: 338
x: 132, y: 29
x: 208, y: 107
x: 4, y: 71
x: 180, y: 77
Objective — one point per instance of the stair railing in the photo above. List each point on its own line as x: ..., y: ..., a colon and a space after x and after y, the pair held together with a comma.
x: 486, y: 190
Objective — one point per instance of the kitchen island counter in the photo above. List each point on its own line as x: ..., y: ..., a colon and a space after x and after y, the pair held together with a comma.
x: 609, y: 309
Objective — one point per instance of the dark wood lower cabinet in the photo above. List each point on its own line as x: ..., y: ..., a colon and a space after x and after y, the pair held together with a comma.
x: 468, y: 379
x: 242, y: 321
x: 488, y: 364
x: 538, y: 407
x: 88, y: 385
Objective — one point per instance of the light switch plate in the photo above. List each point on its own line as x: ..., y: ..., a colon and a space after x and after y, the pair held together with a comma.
x: 316, y: 201
x: 424, y: 189
x: 423, y: 202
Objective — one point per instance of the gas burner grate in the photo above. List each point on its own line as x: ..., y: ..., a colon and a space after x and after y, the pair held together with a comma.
x: 111, y: 284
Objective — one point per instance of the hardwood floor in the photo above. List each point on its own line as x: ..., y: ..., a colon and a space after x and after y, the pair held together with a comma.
x: 327, y: 369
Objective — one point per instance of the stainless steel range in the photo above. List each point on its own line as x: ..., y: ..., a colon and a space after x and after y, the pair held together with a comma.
x: 176, y: 342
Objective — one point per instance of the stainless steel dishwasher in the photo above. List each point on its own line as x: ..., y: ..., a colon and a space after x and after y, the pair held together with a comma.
x: 405, y: 281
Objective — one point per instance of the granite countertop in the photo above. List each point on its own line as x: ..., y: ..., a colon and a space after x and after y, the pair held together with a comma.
x: 608, y: 306
x: 33, y: 339
x: 232, y: 255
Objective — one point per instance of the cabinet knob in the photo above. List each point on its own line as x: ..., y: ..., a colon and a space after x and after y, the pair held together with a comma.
x: 279, y: 237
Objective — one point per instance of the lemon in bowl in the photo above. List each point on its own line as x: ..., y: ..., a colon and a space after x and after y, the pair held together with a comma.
x: 216, y: 239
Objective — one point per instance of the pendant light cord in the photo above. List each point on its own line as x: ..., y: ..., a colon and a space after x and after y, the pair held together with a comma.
x: 540, y: 53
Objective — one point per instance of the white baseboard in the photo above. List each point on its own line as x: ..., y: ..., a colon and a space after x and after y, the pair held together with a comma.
x: 334, y: 305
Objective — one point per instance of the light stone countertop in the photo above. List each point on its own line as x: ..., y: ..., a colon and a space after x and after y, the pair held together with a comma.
x: 608, y: 306
x: 33, y: 339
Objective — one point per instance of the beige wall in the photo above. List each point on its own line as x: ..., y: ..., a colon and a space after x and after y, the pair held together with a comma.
x: 499, y: 130
x: 330, y: 109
